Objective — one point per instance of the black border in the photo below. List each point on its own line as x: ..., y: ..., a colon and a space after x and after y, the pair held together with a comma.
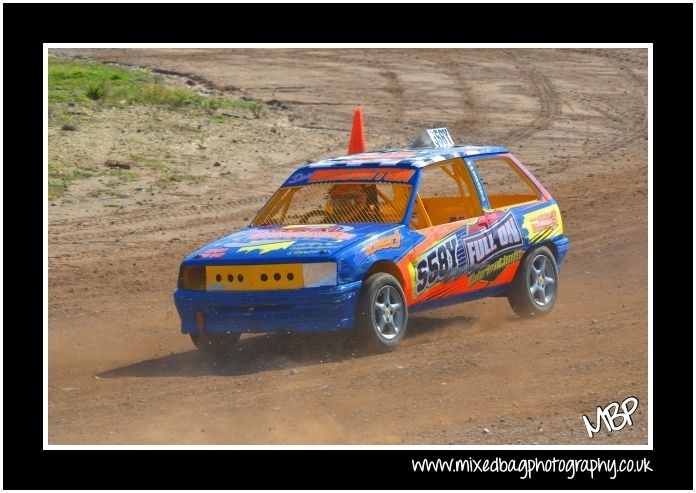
x: 26, y: 27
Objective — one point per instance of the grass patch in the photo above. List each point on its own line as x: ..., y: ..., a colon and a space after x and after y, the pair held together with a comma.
x: 175, y: 177
x: 169, y: 175
x: 79, y: 81
x: 59, y: 179
x: 84, y: 81
x: 123, y: 175
x: 155, y: 166
x: 56, y: 188
x: 81, y: 173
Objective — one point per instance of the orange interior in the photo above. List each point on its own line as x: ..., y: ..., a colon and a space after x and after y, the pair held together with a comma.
x: 500, y: 201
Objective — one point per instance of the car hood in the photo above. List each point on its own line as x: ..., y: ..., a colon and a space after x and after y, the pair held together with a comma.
x: 286, y: 243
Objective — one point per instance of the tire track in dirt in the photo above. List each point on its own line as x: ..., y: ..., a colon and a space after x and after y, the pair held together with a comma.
x: 466, y: 124
x: 164, y: 211
x: 549, y: 101
x: 397, y: 91
x: 637, y: 129
x: 628, y: 129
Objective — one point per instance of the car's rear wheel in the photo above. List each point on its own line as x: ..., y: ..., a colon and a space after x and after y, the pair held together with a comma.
x: 534, y: 290
x: 382, y: 313
x: 216, y: 344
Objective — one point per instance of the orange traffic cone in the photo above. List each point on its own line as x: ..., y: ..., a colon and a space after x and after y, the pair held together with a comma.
x: 357, y: 136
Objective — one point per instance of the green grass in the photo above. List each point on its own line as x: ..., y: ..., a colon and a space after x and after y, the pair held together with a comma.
x: 80, y: 173
x: 59, y: 179
x: 76, y: 86
x: 155, y: 165
x: 56, y: 188
x: 175, y: 177
x: 124, y: 175
x: 77, y: 81
x: 169, y: 175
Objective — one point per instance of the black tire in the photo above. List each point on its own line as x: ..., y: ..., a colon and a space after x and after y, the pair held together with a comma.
x: 381, y: 329
x: 216, y: 344
x: 534, y: 290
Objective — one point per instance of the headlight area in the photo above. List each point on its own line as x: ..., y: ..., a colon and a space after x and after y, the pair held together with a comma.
x: 319, y: 274
x: 192, y: 277
x: 265, y: 277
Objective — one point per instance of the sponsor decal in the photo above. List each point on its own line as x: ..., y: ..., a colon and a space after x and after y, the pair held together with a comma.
x: 458, y: 253
x: 479, y: 187
x: 379, y: 156
x: 491, y: 272
x: 392, y: 241
x: 387, y: 242
x: 266, y: 247
x: 213, y: 253
x: 366, y: 174
x: 298, y: 177
x: 242, y: 242
x: 544, y: 221
x: 309, y: 248
x: 543, y: 224
x: 323, y: 231
x: 501, y: 236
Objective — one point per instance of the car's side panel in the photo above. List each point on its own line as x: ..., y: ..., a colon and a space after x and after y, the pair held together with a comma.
x: 458, y: 298
x: 471, y: 259
x: 463, y: 257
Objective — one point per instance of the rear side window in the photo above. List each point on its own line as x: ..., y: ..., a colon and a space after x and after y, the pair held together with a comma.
x: 504, y: 183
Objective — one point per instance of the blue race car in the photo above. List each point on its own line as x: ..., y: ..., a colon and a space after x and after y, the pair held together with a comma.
x: 358, y: 242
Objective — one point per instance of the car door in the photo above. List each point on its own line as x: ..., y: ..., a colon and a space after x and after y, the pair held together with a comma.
x: 505, y: 193
x: 446, y: 209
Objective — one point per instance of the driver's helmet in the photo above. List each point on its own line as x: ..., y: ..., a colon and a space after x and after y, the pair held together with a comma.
x: 347, y: 198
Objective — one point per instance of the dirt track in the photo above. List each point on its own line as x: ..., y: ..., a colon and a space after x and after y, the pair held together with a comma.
x: 120, y: 371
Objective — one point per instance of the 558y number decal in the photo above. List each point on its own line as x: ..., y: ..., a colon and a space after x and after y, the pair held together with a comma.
x: 436, y: 264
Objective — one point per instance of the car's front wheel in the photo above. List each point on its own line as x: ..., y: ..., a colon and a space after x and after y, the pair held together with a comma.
x: 216, y: 344
x: 534, y: 290
x: 382, y: 312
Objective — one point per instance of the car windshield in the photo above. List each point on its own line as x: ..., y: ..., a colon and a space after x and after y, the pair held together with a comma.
x: 336, y: 203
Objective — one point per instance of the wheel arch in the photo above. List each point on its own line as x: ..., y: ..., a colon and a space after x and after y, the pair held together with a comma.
x: 551, y: 246
x: 548, y: 244
x: 387, y: 267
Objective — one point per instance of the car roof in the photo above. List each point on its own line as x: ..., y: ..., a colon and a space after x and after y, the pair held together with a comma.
x: 407, y: 157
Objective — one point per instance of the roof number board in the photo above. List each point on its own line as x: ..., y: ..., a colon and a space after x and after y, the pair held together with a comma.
x: 440, y: 137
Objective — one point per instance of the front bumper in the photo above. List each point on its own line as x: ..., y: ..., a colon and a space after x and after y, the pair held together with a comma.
x: 303, y: 310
